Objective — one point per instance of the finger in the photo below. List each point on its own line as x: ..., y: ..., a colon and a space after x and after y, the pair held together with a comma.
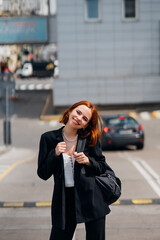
x: 79, y: 158
x: 78, y: 154
x: 62, y: 148
x: 80, y: 161
x: 62, y: 144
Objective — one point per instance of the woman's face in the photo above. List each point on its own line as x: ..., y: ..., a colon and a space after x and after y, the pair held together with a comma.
x: 80, y: 117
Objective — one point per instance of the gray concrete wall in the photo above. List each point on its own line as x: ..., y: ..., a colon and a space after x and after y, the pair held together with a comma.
x: 52, y: 29
x: 107, y: 91
x: 114, y: 59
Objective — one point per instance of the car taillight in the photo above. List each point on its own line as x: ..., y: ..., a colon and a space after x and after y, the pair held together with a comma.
x: 121, y: 118
x: 109, y: 142
x: 141, y: 127
x: 105, y: 129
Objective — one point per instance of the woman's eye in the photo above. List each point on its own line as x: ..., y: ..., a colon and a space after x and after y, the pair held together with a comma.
x: 85, y: 119
x: 78, y: 112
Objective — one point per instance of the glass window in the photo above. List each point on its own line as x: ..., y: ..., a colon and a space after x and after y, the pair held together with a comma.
x: 130, y: 9
x: 120, y: 121
x: 92, y: 10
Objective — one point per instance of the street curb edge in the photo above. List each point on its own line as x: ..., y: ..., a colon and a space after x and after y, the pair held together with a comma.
x: 48, y: 204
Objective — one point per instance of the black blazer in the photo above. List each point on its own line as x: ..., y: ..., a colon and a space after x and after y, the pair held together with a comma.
x: 89, y: 202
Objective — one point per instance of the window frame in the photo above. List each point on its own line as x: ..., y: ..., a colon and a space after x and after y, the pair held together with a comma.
x: 99, y: 19
x: 130, y: 19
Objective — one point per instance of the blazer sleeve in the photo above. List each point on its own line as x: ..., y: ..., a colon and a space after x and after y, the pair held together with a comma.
x: 97, y: 159
x: 47, y: 159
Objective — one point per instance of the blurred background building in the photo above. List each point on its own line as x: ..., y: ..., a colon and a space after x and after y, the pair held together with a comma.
x: 108, y: 51
x: 28, y: 30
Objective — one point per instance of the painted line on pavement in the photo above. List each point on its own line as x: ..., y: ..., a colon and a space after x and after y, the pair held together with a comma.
x: 14, y: 165
x: 43, y: 204
x: 146, y: 171
x: 3, y: 168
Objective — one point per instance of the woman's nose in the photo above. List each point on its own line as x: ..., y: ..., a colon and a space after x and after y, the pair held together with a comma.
x: 79, y: 118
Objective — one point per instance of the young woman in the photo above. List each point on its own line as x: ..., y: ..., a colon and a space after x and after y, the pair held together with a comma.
x: 76, y: 197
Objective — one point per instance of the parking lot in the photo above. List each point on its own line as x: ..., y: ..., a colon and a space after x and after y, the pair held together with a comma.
x: 136, y: 216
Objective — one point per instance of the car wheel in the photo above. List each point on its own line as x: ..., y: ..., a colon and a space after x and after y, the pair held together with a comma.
x: 140, y: 146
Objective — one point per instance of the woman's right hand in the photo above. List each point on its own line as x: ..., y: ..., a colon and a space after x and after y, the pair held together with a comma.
x: 60, y: 148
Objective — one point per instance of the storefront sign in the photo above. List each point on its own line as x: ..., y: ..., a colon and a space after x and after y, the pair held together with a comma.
x: 23, y: 30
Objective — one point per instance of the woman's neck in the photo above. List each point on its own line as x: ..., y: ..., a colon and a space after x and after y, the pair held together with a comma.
x: 70, y: 132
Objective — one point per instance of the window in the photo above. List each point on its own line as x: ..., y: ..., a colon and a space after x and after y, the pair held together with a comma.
x: 92, y: 10
x: 120, y: 122
x: 130, y: 9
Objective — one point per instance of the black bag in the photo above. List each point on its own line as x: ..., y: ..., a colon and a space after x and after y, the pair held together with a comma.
x: 110, y: 186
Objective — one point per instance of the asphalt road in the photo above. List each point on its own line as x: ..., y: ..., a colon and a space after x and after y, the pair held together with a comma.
x: 138, y: 170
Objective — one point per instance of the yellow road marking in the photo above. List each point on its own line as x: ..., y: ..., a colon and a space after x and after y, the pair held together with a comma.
x: 117, y: 202
x: 132, y: 114
x: 142, y: 201
x: 13, y: 204
x: 9, y: 169
x: 43, y: 204
x: 46, y: 105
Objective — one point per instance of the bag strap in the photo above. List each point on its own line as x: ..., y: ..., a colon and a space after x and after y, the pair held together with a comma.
x: 81, y: 144
x: 80, y: 148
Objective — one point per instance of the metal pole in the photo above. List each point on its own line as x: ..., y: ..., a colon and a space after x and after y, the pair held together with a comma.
x: 7, y: 111
x: 7, y: 125
x: 48, y: 7
x: 7, y: 104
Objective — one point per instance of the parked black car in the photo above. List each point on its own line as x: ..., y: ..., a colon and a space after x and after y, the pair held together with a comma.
x: 120, y: 130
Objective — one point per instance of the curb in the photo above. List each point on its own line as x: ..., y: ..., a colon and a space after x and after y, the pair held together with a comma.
x: 4, y: 149
x: 48, y: 118
x: 156, y: 114
x: 24, y: 204
x: 137, y: 201
x: 48, y: 204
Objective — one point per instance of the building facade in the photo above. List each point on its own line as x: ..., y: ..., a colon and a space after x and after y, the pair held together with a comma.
x: 108, y: 51
x: 27, y: 29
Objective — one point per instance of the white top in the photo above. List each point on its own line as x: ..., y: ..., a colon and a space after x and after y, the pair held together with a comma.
x: 68, y: 169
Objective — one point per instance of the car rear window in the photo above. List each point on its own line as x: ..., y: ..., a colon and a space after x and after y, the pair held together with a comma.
x: 116, y: 121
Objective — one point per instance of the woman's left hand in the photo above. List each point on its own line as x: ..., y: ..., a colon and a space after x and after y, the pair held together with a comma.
x: 81, y: 158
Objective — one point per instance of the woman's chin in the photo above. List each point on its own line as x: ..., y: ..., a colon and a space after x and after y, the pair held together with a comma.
x: 74, y: 125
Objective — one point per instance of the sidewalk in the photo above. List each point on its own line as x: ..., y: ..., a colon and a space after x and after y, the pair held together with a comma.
x: 11, y: 157
x: 4, y: 149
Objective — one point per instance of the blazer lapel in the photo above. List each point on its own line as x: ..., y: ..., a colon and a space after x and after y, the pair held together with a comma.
x: 59, y: 136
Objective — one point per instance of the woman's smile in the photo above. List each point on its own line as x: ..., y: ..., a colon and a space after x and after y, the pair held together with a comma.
x: 80, y: 116
x: 75, y: 121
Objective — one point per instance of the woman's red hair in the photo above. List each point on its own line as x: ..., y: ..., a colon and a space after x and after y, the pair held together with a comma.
x: 94, y: 127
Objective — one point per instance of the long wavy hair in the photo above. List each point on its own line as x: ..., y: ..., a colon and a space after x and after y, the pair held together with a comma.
x: 94, y: 127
